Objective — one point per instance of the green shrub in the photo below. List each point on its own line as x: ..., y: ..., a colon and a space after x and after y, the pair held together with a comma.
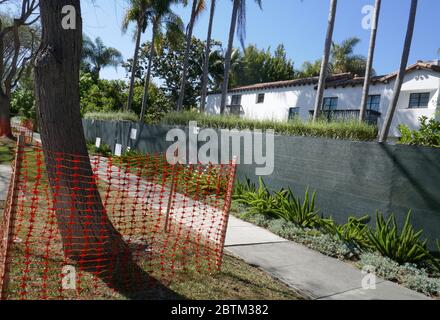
x: 346, y: 130
x: 259, y: 201
x: 103, y: 149
x: 428, y: 135
x: 403, y: 247
x: 112, y: 116
x: 354, y: 232
x: 288, y: 207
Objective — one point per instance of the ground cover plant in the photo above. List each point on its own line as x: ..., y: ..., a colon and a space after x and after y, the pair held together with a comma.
x: 399, y: 254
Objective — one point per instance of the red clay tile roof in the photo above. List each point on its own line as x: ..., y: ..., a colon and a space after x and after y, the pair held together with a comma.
x: 337, y: 80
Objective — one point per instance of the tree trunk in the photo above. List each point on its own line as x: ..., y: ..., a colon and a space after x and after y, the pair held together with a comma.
x: 148, y: 76
x: 401, y: 74
x: 325, y: 59
x: 186, y: 58
x: 225, y: 84
x: 5, y: 119
x: 370, y: 59
x: 206, y: 63
x: 134, y: 66
x: 86, y: 231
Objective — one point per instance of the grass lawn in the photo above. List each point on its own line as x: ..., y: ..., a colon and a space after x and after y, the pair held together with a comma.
x: 7, y: 147
x: 176, y: 267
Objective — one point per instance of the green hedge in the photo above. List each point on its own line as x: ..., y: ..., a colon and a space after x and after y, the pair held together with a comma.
x: 344, y: 130
x: 112, y: 116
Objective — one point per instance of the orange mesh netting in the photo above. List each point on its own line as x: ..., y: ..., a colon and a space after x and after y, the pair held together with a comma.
x: 57, y: 242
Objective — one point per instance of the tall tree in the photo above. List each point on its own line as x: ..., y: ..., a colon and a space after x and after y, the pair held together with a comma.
x: 165, y: 23
x: 139, y: 12
x: 18, y: 42
x: 238, y: 17
x: 344, y: 60
x: 86, y: 231
x: 401, y: 73
x: 325, y: 59
x: 198, y: 6
x: 99, y: 55
x: 207, y: 57
x: 370, y: 59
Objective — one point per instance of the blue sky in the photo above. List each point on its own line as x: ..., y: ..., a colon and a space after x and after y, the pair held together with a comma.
x: 299, y: 24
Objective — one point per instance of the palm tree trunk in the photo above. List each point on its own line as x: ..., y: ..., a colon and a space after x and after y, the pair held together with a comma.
x: 401, y: 74
x: 370, y: 60
x: 225, y: 84
x: 325, y: 59
x: 148, y: 76
x: 134, y: 66
x: 86, y: 231
x: 186, y: 58
x: 206, y: 63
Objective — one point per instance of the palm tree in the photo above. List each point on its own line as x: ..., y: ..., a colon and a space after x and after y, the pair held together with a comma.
x: 325, y: 58
x: 138, y: 12
x: 401, y: 74
x: 207, y: 57
x: 238, y: 17
x: 164, y: 21
x: 198, y: 7
x: 369, y: 68
x: 343, y: 60
x: 99, y: 55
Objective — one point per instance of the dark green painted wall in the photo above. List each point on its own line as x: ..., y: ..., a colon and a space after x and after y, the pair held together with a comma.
x: 351, y: 178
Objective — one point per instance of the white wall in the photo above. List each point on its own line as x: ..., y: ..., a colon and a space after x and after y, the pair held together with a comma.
x: 278, y: 101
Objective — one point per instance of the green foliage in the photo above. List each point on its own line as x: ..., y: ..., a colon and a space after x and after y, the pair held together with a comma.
x: 354, y: 232
x: 168, y: 65
x: 428, y: 135
x: 101, y: 95
x: 290, y: 208
x: 344, y: 130
x: 112, y: 116
x: 23, y: 103
x: 402, y: 247
x: 260, y: 66
x: 103, y: 149
x: 258, y: 200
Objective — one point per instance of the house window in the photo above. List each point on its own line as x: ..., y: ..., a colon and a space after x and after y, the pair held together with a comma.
x: 373, y: 103
x: 330, y: 104
x: 293, y: 113
x: 236, y: 100
x: 419, y: 100
x: 235, y: 110
x: 260, y: 98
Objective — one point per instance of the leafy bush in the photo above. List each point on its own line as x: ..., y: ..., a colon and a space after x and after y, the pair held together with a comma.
x: 428, y: 135
x: 347, y: 130
x: 354, y: 232
x: 258, y: 200
x: 403, y: 247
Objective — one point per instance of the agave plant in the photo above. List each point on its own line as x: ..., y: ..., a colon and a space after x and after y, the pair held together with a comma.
x: 290, y: 208
x: 259, y: 200
x: 354, y: 232
x: 403, y: 247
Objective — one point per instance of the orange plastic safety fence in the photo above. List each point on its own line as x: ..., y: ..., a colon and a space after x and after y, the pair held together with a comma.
x: 94, y: 227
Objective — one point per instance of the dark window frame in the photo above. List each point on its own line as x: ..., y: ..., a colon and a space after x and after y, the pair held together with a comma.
x: 419, y: 98
x: 238, y: 96
x: 293, y: 113
x: 261, y: 97
x: 370, y: 103
x: 332, y: 105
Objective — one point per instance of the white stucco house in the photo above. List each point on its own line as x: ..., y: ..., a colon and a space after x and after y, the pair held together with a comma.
x: 285, y: 100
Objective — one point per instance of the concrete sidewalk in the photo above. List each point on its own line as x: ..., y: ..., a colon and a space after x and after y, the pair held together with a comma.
x: 313, y: 274
x: 5, y: 176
